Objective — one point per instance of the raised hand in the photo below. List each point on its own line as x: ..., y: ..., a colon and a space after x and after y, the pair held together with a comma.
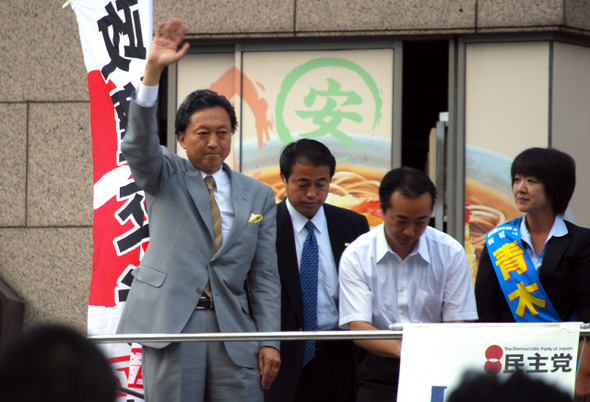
x: 164, y: 50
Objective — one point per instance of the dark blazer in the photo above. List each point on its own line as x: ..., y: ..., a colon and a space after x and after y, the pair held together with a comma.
x: 564, y: 274
x: 344, y: 227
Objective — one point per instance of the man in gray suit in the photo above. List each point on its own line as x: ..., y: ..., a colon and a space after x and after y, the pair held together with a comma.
x: 211, y: 264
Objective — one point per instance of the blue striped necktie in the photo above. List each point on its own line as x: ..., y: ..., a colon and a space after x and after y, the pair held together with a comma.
x: 309, y: 288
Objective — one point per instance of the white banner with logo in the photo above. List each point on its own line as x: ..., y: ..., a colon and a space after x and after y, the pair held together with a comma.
x: 115, y: 36
x: 435, y: 356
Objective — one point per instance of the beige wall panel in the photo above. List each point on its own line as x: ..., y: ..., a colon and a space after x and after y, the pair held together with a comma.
x: 507, y: 96
x: 60, y: 165
x: 202, y: 70
x: 519, y: 13
x: 571, y: 118
x: 354, y: 15
x: 13, y: 159
x: 41, y: 53
x: 50, y: 270
x: 229, y: 16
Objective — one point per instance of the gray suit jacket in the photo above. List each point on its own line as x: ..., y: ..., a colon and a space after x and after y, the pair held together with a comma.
x: 181, y: 256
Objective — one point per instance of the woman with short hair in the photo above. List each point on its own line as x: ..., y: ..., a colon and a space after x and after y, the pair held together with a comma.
x: 536, y: 268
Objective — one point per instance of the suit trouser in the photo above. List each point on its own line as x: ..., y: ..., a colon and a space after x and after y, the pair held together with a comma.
x: 377, y: 379
x: 198, y: 371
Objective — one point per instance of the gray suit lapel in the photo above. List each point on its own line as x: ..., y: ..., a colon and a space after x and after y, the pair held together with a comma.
x: 241, y: 202
x: 198, y: 191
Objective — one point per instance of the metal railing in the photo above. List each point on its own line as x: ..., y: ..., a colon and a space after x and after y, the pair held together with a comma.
x: 247, y: 336
x: 396, y: 332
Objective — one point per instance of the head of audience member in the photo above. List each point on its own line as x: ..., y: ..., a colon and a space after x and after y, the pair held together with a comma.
x: 204, y: 125
x: 554, y: 170
x: 407, y: 198
x: 517, y: 388
x: 54, y: 363
x: 307, y: 167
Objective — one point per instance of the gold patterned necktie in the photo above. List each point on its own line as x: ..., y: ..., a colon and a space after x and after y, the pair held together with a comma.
x: 210, y: 182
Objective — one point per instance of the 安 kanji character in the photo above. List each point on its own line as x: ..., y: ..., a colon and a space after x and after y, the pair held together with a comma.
x: 329, y: 118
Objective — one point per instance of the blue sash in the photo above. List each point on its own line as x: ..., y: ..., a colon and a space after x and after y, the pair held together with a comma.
x: 517, y: 275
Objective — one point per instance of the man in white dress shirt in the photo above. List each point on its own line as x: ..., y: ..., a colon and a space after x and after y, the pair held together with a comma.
x: 402, y: 271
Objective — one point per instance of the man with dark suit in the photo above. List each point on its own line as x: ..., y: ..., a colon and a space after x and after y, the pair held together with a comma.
x: 211, y: 263
x: 312, y: 370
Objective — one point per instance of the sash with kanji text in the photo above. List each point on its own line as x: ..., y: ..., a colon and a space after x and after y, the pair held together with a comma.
x: 517, y: 275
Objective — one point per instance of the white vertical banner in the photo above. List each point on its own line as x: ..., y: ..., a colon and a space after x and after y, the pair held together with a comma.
x: 435, y: 356
x: 115, y: 36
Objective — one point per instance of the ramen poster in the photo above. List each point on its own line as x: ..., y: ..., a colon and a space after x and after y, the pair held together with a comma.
x: 488, y: 198
x: 342, y: 98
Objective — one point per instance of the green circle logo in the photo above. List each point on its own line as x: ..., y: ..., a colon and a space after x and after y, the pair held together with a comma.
x: 297, y: 73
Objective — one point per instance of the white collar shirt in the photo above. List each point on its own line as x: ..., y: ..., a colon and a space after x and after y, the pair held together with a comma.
x: 433, y: 284
x: 222, y: 194
x: 558, y: 229
x: 327, y: 307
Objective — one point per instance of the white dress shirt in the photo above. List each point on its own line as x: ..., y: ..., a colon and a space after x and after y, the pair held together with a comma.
x: 433, y: 284
x: 327, y: 309
x: 222, y: 194
x: 147, y: 97
x: 557, y: 230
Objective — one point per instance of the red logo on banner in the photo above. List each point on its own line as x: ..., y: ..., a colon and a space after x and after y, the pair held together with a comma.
x: 493, y: 355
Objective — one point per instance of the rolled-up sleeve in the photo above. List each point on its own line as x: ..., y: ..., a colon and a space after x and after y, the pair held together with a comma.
x: 355, y: 291
x: 459, y: 296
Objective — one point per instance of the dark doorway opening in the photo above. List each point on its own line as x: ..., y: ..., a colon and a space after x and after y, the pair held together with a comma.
x: 424, y: 96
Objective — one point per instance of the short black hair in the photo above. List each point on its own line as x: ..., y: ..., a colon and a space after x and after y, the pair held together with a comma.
x: 306, y: 151
x: 410, y: 182
x: 202, y: 99
x: 554, y: 168
x: 55, y: 363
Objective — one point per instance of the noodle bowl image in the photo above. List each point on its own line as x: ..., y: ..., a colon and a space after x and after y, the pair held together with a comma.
x: 352, y: 187
x: 488, y: 199
x: 488, y: 188
x: 355, y: 185
x: 484, y: 210
x: 481, y: 219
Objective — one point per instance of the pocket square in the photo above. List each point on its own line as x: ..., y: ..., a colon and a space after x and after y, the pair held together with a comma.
x: 254, y: 218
